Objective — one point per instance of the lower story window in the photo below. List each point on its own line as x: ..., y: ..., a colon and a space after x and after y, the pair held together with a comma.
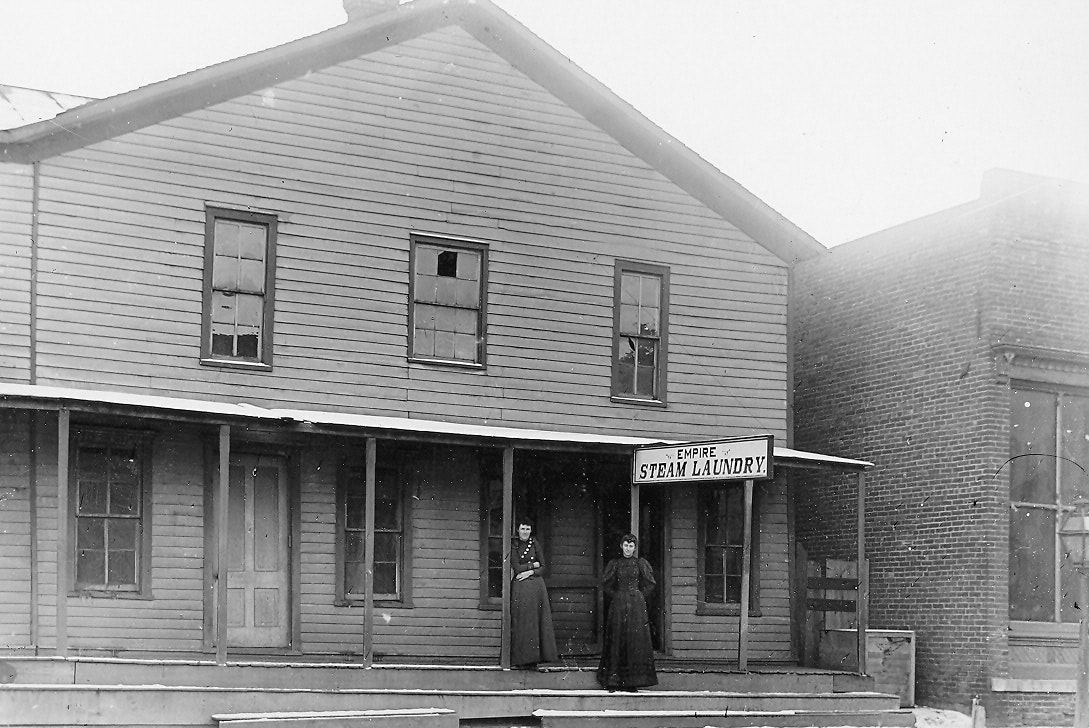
x: 109, y: 496
x: 721, y: 542
x: 491, y: 469
x: 389, y: 533
x: 1049, y: 447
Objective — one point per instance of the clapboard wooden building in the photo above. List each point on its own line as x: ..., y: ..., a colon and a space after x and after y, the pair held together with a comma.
x: 287, y: 342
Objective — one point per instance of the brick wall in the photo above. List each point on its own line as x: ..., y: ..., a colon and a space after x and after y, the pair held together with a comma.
x: 1038, y: 297
x: 894, y: 364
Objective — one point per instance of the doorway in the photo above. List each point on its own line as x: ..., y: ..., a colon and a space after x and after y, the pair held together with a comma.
x: 556, y: 492
x: 616, y: 521
x: 258, y: 573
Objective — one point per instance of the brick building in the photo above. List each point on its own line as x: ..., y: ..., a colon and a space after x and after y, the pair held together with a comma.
x: 944, y: 348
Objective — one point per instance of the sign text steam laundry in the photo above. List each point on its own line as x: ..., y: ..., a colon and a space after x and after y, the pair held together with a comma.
x: 748, y: 458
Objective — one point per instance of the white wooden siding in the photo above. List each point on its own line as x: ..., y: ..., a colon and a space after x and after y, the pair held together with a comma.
x: 436, y: 135
x: 705, y: 636
x: 15, y: 594
x: 172, y: 619
x: 444, y: 521
x: 16, y: 215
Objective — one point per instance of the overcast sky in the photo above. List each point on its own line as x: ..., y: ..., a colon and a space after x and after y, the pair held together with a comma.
x: 847, y: 116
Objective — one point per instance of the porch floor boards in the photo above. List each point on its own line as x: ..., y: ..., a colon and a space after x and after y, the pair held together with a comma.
x: 273, y: 673
x: 124, y: 693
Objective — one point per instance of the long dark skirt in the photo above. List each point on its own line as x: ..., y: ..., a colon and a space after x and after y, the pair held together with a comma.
x: 627, y: 655
x: 532, y: 637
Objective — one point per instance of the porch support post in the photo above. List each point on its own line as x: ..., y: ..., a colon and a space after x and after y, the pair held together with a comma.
x: 63, y: 517
x: 222, y: 542
x: 862, y: 594
x: 508, y: 515
x: 368, y: 552
x: 633, y: 525
x: 746, y: 577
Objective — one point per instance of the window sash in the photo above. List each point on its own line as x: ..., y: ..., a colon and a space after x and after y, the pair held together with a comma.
x: 389, y: 534
x: 447, y: 301
x: 720, y: 523
x: 640, y: 317
x: 109, y: 534
x: 638, y: 367
x: 240, y: 253
x: 492, y: 528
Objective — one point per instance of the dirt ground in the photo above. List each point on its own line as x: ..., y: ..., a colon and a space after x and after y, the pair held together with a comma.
x: 934, y: 718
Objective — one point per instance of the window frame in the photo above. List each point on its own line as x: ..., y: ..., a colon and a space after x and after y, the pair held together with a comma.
x: 348, y: 467
x: 141, y: 442
x: 263, y: 361
x: 621, y: 268
x: 703, y: 607
x: 415, y: 241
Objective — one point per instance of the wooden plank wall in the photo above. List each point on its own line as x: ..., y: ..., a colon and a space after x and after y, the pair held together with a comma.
x: 16, y: 208
x: 15, y: 552
x: 716, y: 637
x: 444, y: 618
x: 172, y: 620
x: 436, y: 135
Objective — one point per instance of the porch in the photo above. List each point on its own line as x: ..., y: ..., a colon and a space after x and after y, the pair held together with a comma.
x: 107, y: 691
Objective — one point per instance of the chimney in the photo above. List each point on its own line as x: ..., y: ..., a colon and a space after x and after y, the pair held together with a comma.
x: 362, y: 9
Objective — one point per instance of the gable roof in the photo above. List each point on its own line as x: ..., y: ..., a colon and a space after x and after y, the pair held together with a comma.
x: 100, y: 120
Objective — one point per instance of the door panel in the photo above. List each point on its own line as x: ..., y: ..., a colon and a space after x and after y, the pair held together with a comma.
x: 257, y: 576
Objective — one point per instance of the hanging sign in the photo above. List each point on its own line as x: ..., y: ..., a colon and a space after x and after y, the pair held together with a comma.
x: 735, y: 458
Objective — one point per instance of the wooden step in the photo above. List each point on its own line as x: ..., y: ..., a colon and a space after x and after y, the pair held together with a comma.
x: 204, y: 673
x: 414, y: 718
x: 719, y: 719
x: 151, y: 705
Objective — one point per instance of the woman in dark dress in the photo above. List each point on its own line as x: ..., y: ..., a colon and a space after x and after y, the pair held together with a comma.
x: 627, y: 656
x: 532, y: 639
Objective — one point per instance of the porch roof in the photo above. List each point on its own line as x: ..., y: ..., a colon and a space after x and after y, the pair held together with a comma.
x: 34, y: 396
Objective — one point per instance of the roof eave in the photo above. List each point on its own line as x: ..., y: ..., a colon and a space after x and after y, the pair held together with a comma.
x: 157, y: 102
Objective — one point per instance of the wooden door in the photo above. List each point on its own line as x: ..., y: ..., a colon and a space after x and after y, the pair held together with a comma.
x: 258, y: 593
x: 572, y: 577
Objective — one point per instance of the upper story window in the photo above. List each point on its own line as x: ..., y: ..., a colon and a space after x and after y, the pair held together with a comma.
x: 110, y: 491
x: 239, y: 276
x: 448, y: 301
x: 1049, y: 446
x: 640, y: 319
